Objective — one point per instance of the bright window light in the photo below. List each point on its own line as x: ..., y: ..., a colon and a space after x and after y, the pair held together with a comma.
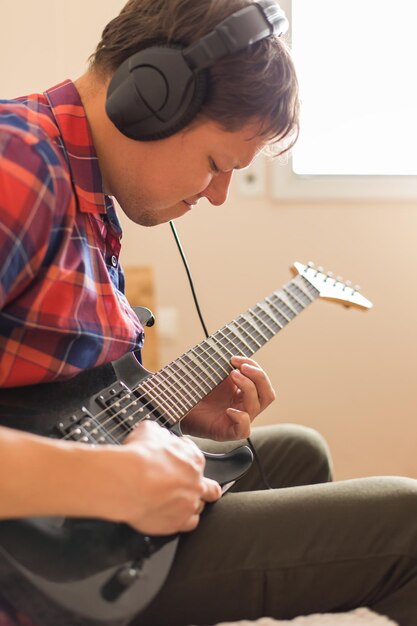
x: 356, y: 63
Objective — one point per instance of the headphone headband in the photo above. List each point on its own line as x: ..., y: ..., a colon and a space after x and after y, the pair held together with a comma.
x: 237, y: 32
x: 157, y: 91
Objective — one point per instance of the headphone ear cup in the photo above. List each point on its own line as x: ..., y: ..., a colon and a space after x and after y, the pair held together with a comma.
x: 154, y: 93
x: 201, y: 85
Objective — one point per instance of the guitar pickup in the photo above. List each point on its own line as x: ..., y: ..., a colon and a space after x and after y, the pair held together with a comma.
x: 82, y: 426
x: 122, y: 407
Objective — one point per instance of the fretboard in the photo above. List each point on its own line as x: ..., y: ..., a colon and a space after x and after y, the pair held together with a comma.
x: 173, y: 391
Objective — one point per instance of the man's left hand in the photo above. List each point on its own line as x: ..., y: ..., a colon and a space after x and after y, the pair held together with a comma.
x: 227, y: 412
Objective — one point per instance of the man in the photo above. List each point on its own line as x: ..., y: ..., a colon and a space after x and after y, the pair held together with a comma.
x: 64, y: 155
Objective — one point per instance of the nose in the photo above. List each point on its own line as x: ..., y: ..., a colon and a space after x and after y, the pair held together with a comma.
x: 217, y: 191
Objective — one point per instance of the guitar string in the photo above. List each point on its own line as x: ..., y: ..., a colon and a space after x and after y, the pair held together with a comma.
x: 210, y: 356
x: 155, y: 388
x: 159, y: 387
x: 163, y: 387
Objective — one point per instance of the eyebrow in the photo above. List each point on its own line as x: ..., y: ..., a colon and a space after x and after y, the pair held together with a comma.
x: 238, y: 166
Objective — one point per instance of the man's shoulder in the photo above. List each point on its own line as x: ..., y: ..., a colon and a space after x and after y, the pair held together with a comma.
x: 29, y: 134
x: 27, y: 119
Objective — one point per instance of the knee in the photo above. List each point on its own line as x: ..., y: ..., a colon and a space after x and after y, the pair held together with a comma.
x: 312, y: 451
x: 302, y: 450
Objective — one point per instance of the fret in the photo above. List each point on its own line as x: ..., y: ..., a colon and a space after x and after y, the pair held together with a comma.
x: 176, y: 389
x: 189, y: 382
x: 267, y: 319
x: 202, y: 366
x: 209, y: 361
x: 274, y: 308
x: 266, y: 308
x: 236, y: 349
x: 304, y: 296
x: 295, y: 298
x: 259, y: 315
x: 176, y: 400
x: 175, y: 381
x: 252, y: 331
x: 215, y: 346
x: 242, y: 329
x: 235, y: 330
x: 258, y: 331
x: 200, y: 373
x: 286, y: 301
x: 280, y: 311
x: 195, y: 358
x: 195, y: 378
x: 307, y: 288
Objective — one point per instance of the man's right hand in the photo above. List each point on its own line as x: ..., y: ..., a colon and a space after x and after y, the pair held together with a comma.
x: 165, y: 486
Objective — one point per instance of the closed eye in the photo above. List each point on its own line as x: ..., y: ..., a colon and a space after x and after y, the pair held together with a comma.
x: 213, y: 166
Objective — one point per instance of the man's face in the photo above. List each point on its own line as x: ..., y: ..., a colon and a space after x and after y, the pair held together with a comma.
x: 157, y: 181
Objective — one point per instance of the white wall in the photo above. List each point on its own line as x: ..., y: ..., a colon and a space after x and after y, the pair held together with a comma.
x: 349, y: 374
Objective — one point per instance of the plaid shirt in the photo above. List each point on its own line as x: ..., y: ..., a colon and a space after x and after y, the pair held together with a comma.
x: 62, y: 308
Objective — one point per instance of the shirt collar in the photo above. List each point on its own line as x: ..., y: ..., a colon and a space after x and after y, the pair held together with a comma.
x: 71, y: 119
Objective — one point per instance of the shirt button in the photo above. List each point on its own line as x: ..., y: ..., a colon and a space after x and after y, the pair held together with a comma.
x: 114, y: 261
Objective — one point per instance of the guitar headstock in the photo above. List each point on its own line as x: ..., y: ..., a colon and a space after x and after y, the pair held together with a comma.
x: 332, y: 288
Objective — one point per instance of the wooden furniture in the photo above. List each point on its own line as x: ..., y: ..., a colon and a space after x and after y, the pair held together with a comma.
x: 140, y: 291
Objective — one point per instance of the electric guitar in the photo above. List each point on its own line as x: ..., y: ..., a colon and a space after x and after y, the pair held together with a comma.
x: 82, y: 572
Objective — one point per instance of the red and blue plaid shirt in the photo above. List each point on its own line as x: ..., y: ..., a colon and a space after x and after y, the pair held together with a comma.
x: 62, y: 308
x: 62, y: 303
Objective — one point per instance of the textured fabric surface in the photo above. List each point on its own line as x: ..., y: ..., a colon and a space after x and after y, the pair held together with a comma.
x: 360, y: 617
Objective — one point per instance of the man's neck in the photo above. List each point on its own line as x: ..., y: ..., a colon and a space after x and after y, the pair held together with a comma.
x: 92, y: 90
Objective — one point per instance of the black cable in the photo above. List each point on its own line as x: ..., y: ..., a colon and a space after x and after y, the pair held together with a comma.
x: 259, y: 464
x: 190, y: 280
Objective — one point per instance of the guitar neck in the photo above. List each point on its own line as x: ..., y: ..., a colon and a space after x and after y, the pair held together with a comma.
x: 175, y: 389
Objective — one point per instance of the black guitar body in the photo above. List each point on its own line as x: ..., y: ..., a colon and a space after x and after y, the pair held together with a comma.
x: 87, y: 572
x: 95, y: 573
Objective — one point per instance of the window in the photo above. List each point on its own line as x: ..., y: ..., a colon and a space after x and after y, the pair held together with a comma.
x: 356, y: 66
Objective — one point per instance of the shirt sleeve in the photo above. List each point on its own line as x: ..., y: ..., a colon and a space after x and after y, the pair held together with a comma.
x: 26, y: 212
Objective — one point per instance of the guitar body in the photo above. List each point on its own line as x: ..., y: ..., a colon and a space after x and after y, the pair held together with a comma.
x: 95, y: 573
x: 85, y: 572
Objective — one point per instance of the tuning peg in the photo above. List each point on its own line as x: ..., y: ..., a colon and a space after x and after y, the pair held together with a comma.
x: 339, y: 279
x: 310, y: 264
x: 357, y: 287
x: 348, y: 284
x: 320, y: 269
x: 329, y: 275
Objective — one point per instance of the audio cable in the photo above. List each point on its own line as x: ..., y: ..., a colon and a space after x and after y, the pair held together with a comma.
x: 200, y: 315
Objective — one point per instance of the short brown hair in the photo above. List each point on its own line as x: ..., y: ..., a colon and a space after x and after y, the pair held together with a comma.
x: 258, y: 83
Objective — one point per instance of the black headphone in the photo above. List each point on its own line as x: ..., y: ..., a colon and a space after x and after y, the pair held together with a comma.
x: 157, y: 91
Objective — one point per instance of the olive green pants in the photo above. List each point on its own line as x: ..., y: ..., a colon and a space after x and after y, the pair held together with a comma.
x: 306, y: 546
